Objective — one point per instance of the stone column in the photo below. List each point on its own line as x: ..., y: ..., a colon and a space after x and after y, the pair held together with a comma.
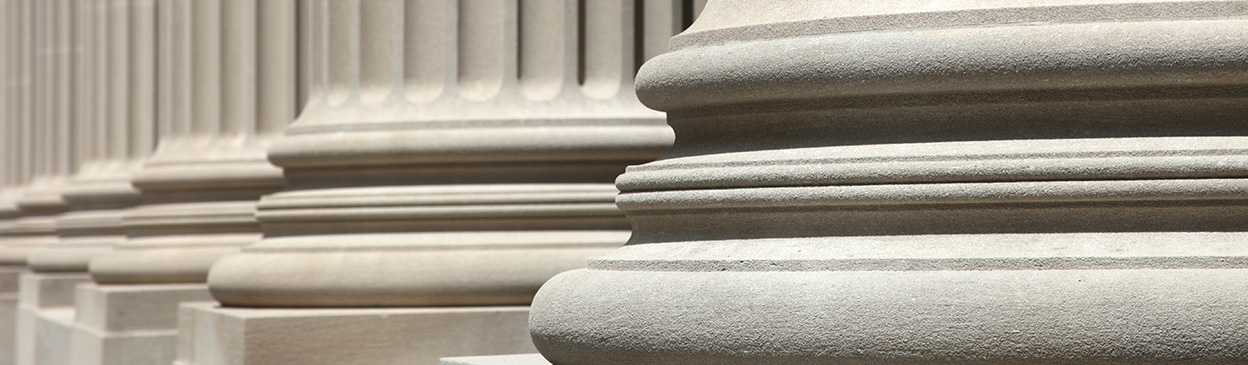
x: 43, y: 316
x: 11, y: 145
x: 14, y: 175
x: 452, y: 156
x: 979, y: 182
x: 45, y: 144
x: 227, y: 88
x: 109, y: 144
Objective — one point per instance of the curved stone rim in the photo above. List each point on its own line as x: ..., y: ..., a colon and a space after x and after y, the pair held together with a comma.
x: 948, y: 162
x: 591, y: 143
x: 919, y: 317
x: 810, y: 23
x: 1017, y: 62
x: 950, y: 252
x: 416, y: 269
x: 256, y: 175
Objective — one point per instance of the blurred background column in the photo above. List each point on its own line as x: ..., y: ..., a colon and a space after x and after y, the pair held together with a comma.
x: 43, y: 311
x: 100, y: 188
x: 15, y: 83
x: 224, y: 71
x: 966, y: 182
x: 452, y: 156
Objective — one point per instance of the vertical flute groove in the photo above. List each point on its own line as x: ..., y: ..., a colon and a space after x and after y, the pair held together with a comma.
x: 99, y: 76
x: 142, y: 63
x: 181, y: 68
x: 237, y: 51
x: 380, y: 42
x: 428, y: 56
x: 118, y: 78
x: 342, y: 29
x: 43, y: 122
x: 608, y: 48
x: 85, y: 124
x: 206, y: 69
x: 276, y: 85
x: 486, y: 47
x: 545, y: 41
x: 66, y: 150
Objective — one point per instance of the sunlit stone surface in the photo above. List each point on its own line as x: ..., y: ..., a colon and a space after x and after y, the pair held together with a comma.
x: 452, y: 157
x: 959, y: 182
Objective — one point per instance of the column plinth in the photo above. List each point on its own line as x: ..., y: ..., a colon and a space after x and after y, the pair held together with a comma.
x: 975, y: 183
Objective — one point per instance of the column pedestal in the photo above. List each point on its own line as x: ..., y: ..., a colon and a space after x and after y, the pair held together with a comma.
x: 129, y: 324
x: 972, y: 182
x: 45, y: 317
x: 213, y: 335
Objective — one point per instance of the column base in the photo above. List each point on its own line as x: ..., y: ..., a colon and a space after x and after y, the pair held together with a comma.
x: 523, y: 359
x: 45, y: 316
x: 9, y: 298
x: 130, y: 324
x: 213, y: 335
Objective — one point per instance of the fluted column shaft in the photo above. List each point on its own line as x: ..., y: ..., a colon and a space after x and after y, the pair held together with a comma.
x: 10, y: 111
x: 106, y: 33
x: 226, y: 95
x: 12, y: 174
x: 49, y: 156
x: 42, y: 332
x: 972, y: 182
x: 451, y: 153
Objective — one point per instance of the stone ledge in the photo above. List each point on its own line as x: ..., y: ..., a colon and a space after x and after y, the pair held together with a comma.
x: 213, y: 335
x: 524, y: 359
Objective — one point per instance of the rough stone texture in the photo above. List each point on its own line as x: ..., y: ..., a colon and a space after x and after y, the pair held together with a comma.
x: 526, y: 359
x: 129, y: 324
x: 964, y: 182
x: 379, y: 336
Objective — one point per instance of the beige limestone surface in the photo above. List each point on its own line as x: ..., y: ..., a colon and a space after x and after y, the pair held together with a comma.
x: 219, y: 82
x: 461, y: 156
x: 962, y: 182
x: 200, y: 184
x: 111, y: 131
x: 49, y: 135
x: 129, y: 324
x: 9, y: 303
x: 45, y: 317
x: 377, y: 336
x: 525, y: 359
x: 451, y: 153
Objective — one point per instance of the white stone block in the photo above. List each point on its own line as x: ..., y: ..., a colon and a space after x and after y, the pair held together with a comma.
x: 374, y: 336
x: 45, y: 314
x: 523, y: 359
x: 130, y: 324
x: 8, y: 313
